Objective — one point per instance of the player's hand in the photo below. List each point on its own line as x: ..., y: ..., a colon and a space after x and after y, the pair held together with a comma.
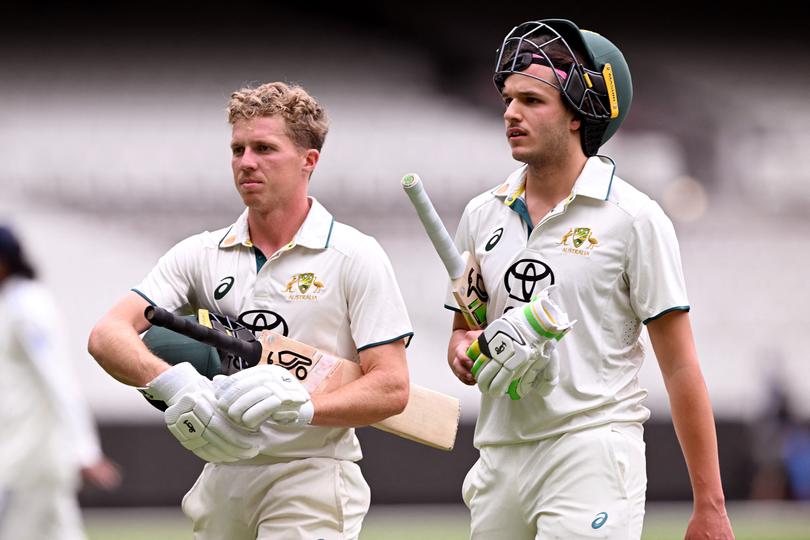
x: 265, y: 392
x: 104, y: 473
x: 709, y: 524
x: 460, y: 363
x: 200, y: 427
x: 174, y: 383
x: 520, y: 343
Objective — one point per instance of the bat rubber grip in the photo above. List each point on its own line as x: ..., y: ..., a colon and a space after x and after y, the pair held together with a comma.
x: 433, y: 225
x: 250, y: 351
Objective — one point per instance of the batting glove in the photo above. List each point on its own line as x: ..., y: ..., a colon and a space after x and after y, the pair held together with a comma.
x: 542, y: 376
x: 200, y: 427
x: 265, y: 392
x: 520, y: 342
x: 175, y: 382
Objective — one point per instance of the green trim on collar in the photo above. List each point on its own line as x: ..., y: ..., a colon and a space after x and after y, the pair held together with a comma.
x: 139, y: 293
x: 612, y: 174
x: 519, y: 207
x: 219, y: 244
x: 676, y: 308
x: 260, y: 258
x: 408, y: 335
x: 329, y: 236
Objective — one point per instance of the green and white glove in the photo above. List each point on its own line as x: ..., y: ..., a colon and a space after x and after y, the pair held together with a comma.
x: 266, y: 392
x: 520, y: 343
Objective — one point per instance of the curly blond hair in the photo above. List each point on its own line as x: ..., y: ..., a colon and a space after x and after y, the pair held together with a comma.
x: 306, y: 120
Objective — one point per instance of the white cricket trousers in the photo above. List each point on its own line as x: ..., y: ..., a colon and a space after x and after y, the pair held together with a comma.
x: 583, y: 484
x: 38, y: 512
x: 312, y: 498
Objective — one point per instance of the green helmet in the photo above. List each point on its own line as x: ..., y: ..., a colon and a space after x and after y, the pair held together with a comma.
x: 596, y: 84
x: 174, y: 348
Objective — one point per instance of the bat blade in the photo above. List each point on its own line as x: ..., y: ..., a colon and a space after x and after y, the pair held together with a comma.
x: 470, y: 294
x: 430, y: 418
x: 465, y: 274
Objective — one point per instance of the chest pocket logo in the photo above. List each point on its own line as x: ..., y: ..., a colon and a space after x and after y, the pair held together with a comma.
x: 582, y: 239
x: 261, y: 319
x: 223, y: 288
x: 526, y: 278
x: 304, y: 286
x: 496, y: 237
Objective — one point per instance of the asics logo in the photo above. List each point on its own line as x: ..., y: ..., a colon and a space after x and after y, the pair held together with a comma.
x: 600, y: 520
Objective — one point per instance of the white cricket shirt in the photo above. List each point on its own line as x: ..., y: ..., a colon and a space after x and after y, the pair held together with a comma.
x: 332, y: 287
x: 48, y: 430
x: 615, y: 258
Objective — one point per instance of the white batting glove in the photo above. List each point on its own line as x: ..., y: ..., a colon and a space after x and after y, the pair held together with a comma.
x: 519, y: 342
x: 175, y: 382
x: 265, y: 392
x: 200, y: 427
x: 542, y: 376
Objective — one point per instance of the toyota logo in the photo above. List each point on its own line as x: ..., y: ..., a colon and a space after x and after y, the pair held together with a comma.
x: 523, y: 278
x: 260, y: 319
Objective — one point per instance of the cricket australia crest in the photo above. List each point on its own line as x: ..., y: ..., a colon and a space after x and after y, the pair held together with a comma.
x: 304, y: 286
x: 581, y: 237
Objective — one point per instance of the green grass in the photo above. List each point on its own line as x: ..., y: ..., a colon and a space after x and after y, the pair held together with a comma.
x: 751, y: 521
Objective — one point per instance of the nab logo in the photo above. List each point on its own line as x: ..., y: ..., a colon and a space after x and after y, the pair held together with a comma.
x: 223, y: 287
x: 600, y: 520
x: 525, y: 276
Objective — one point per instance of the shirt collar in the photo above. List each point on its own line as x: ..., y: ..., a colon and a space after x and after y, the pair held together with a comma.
x: 314, y: 233
x: 594, y: 181
x: 596, y: 178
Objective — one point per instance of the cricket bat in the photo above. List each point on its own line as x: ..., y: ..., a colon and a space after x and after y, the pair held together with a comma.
x: 464, y: 272
x: 430, y: 418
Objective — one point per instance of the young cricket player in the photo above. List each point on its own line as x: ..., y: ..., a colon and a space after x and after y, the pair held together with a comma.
x: 565, y: 457
x: 281, y: 462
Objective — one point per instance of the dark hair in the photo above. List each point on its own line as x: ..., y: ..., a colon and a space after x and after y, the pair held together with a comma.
x: 12, y: 255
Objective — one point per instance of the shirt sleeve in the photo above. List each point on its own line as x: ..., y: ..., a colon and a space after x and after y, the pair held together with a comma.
x: 169, y: 284
x: 376, y: 308
x: 654, y: 270
x: 464, y: 242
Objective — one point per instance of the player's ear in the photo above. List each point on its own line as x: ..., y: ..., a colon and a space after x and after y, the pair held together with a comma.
x: 311, y: 157
x: 576, y: 123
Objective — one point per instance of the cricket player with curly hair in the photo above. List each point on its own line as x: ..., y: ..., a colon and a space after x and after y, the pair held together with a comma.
x: 575, y: 261
x: 281, y: 463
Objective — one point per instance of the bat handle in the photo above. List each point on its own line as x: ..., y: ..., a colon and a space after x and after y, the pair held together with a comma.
x: 249, y: 351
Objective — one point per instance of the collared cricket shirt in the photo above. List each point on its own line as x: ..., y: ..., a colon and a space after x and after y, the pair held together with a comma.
x: 614, y: 256
x: 332, y: 287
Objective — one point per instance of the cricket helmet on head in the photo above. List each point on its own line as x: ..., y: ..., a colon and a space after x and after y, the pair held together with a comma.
x: 590, y: 72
